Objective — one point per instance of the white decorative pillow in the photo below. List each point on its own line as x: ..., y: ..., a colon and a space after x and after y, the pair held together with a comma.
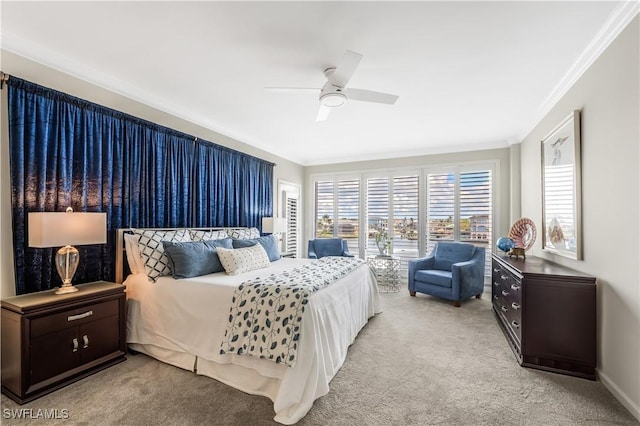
x: 156, y: 262
x: 134, y: 258
x: 243, y: 233
x: 238, y: 261
x: 200, y: 235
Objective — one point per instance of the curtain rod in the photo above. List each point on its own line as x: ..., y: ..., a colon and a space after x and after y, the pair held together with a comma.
x: 3, y: 79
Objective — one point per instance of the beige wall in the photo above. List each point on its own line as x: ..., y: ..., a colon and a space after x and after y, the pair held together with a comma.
x: 28, y: 70
x: 503, y: 178
x: 609, y: 96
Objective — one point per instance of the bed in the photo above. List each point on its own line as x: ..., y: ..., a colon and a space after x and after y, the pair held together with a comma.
x: 183, y: 322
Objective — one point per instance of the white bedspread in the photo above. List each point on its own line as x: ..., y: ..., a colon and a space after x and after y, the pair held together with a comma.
x: 179, y: 320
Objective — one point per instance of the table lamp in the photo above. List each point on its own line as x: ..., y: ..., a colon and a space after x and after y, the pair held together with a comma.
x: 55, y: 229
x: 274, y: 225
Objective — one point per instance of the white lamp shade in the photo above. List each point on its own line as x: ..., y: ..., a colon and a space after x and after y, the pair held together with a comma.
x: 57, y: 229
x: 274, y: 225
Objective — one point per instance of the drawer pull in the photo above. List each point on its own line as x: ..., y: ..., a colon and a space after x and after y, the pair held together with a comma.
x: 515, y: 287
x: 75, y: 345
x: 515, y: 306
x: 79, y: 316
x: 496, y: 270
x: 85, y: 341
x: 505, y: 293
x: 515, y: 324
x: 495, y: 296
x: 504, y: 309
x: 504, y: 277
x: 497, y: 284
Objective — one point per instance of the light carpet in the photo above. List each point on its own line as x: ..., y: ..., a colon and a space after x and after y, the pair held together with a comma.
x: 421, y: 362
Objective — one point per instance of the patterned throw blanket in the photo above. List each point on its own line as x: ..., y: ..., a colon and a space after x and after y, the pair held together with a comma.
x: 266, y: 313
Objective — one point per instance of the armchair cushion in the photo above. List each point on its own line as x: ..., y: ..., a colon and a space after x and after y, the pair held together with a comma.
x: 435, y: 277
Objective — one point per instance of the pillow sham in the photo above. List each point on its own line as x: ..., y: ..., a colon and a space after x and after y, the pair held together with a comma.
x: 199, y: 235
x: 243, y: 233
x: 238, y: 261
x: 194, y: 258
x: 269, y: 243
x: 134, y: 258
x: 156, y: 262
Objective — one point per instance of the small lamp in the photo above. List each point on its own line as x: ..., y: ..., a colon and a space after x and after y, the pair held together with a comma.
x: 276, y: 226
x: 55, y: 229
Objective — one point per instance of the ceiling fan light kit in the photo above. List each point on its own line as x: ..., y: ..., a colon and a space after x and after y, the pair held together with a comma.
x: 333, y: 94
x: 333, y: 99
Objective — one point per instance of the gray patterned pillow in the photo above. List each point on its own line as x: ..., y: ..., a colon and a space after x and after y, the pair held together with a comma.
x: 200, y: 235
x: 243, y: 233
x: 237, y: 261
x: 156, y: 262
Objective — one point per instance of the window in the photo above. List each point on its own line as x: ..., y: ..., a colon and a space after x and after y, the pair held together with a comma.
x: 338, y: 211
x: 324, y: 209
x: 392, y: 207
x: 459, y: 208
x: 415, y: 210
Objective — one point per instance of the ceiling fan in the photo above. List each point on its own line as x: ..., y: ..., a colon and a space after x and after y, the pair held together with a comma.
x: 334, y: 93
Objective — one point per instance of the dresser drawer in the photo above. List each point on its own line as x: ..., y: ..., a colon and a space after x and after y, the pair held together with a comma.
x: 73, y: 317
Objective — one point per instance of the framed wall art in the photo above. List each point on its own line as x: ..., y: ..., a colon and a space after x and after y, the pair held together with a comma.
x: 561, y: 189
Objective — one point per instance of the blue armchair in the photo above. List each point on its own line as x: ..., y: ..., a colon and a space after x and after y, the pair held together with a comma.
x: 328, y: 247
x: 453, y: 271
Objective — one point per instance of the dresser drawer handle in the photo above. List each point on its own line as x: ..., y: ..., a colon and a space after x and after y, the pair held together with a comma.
x: 515, y: 287
x: 497, y: 284
x: 79, y: 316
x: 495, y: 296
x: 515, y: 324
x: 505, y: 293
x: 504, y: 277
x: 75, y: 345
x: 515, y: 306
x: 85, y: 341
x: 504, y: 309
x: 496, y: 270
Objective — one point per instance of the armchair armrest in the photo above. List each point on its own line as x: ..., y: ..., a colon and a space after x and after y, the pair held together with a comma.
x: 417, y: 265
x: 468, y: 277
x: 347, y: 254
x: 311, y: 253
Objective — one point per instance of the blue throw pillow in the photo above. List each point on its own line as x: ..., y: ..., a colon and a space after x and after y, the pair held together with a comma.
x: 269, y: 243
x: 195, y: 258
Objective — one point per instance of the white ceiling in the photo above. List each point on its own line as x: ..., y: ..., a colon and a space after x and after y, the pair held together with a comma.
x: 470, y: 75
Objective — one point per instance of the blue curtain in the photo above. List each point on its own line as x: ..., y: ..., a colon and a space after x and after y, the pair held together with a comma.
x: 65, y: 151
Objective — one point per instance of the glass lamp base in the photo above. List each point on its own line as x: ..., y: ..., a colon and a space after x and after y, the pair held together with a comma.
x: 66, y: 289
x: 67, y: 260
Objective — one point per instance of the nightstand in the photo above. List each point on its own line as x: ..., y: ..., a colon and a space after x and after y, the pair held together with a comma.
x: 51, y: 340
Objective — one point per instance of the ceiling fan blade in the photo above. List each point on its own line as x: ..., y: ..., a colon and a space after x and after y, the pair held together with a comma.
x: 323, y: 113
x: 371, y: 96
x: 312, y: 90
x: 345, y: 69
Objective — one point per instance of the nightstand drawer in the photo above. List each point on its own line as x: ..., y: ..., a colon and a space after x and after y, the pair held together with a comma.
x: 74, y: 317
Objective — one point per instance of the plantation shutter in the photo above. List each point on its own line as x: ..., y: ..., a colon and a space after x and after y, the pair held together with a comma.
x: 291, y: 214
x: 348, y: 212
x: 377, y: 211
x: 324, y: 209
x: 475, y: 211
x: 440, y: 208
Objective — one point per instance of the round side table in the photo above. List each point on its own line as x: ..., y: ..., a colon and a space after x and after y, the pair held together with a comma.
x: 387, y: 272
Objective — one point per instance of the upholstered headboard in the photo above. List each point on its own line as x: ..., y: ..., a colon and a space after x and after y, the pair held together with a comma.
x: 122, y: 266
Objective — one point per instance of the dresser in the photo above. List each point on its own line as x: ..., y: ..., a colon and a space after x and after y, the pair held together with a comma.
x: 547, y: 313
x: 51, y: 340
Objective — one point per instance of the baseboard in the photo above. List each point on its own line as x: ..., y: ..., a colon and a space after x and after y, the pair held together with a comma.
x: 633, y: 408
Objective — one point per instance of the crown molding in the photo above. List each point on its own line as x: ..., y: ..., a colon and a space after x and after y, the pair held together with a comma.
x: 618, y: 20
